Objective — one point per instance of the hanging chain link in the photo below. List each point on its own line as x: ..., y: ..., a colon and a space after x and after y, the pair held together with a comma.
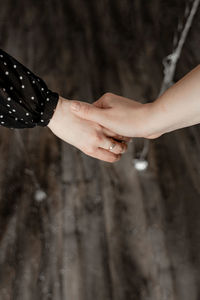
x: 170, y: 62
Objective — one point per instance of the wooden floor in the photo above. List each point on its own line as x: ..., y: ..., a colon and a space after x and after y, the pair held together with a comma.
x: 72, y: 227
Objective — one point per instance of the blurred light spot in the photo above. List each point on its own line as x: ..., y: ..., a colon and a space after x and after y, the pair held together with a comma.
x: 40, y: 195
x: 140, y: 164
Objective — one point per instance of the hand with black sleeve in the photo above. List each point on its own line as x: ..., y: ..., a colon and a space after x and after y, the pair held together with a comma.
x: 26, y: 102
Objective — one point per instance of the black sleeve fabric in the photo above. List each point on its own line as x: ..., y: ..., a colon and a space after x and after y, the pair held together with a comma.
x: 25, y: 100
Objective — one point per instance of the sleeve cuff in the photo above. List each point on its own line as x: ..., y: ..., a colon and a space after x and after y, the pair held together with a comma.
x: 49, y: 108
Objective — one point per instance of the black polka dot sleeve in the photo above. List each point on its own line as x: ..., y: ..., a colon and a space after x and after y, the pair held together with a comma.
x: 25, y: 100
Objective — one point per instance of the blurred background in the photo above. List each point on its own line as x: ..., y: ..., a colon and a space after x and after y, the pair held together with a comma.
x: 73, y: 227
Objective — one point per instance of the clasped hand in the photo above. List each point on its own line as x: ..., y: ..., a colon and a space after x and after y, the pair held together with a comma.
x: 102, y: 129
x: 114, y: 120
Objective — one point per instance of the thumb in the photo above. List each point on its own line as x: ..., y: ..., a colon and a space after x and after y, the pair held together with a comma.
x: 88, y: 111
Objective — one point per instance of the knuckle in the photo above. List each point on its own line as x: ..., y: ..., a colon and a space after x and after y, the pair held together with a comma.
x: 107, y: 96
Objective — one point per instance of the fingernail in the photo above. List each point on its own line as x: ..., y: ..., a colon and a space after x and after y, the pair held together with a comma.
x: 75, y: 106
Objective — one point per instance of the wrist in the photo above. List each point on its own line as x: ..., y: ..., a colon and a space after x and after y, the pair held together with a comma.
x: 150, y: 116
x: 57, y: 113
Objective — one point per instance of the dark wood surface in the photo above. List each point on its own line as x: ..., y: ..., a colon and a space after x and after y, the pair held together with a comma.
x: 72, y: 227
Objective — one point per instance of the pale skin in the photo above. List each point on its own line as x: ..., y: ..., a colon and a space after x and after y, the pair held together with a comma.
x: 90, y: 137
x: 93, y: 127
x: 176, y: 108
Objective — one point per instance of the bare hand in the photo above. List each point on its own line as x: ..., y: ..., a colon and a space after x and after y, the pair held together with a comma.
x: 122, y: 115
x: 89, y: 137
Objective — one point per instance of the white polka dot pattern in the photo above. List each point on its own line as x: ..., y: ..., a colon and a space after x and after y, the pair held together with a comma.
x: 26, y: 101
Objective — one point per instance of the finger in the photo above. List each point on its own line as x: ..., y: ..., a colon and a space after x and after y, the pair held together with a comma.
x: 88, y: 111
x: 118, y: 147
x: 118, y: 137
x: 105, y: 101
x: 99, y: 103
x: 105, y: 155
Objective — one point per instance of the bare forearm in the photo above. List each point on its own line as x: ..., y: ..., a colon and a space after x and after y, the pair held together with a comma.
x: 178, y: 107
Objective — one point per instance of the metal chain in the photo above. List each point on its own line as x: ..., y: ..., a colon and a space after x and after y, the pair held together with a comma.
x: 170, y: 62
